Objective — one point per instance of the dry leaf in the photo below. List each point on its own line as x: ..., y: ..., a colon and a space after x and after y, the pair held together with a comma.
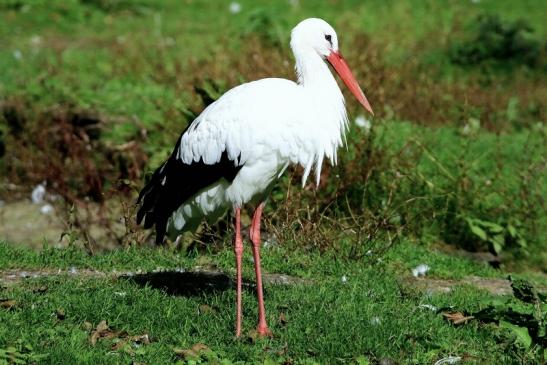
x: 8, y: 304
x: 457, y: 318
x: 102, y: 326
x: 87, y: 326
x: 118, y: 345
x: 103, y: 331
x: 141, y: 339
x: 194, y: 351
x: 123, y: 343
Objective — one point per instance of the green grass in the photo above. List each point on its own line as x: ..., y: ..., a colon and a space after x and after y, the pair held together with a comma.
x: 371, y: 314
x: 127, y: 60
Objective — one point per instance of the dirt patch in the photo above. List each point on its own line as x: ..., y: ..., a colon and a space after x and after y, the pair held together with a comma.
x: 24, y: 222
x: 57, y: 224
x: 492, y: 285
x: 159, y: 277
x: 214, y: 279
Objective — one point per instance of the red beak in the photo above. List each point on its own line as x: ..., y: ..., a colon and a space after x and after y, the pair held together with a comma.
x: 342, y: 68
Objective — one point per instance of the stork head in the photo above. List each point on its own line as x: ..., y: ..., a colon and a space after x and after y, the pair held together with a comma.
x: 317, y: 36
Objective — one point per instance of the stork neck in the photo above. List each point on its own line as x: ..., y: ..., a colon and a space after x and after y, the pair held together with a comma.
x: 314, y: 74
x: 319, y: 84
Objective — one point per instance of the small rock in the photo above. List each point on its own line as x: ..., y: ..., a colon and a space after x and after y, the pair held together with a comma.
x: 428, y: 306
x: 449, y: 360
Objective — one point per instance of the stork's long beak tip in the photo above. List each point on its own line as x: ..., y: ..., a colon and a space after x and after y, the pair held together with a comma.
x: 341, y: 67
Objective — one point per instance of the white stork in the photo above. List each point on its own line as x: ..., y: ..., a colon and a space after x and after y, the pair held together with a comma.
x: 237, y: 148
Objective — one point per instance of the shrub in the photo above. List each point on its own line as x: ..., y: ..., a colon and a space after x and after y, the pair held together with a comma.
x: 491, y: 40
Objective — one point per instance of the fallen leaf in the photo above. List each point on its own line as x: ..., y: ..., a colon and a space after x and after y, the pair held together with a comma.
x: 128, y: 349
x: 457, y: 318
x: 87, y: 326
x: 102, y: 326
x: 8, y: 304
x: 118, y: 345
x: 124, y: 344
x: 103, y: 331
x: 141, y: 339
x: 193, y: 352
x: 96, y: 333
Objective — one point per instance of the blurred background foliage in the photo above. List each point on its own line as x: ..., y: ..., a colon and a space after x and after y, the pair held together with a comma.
x: 94, y: 94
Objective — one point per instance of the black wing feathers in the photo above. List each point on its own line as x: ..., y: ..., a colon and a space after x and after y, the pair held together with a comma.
x: 173, y: 183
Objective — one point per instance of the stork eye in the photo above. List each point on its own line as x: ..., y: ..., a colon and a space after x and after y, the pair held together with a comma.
x: 328, y: 37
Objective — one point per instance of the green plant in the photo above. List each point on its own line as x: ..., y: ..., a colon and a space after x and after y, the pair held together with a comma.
x: 490, y: 39
x: 525, y: 319
x: 498, y: 236
x: 20, y: 354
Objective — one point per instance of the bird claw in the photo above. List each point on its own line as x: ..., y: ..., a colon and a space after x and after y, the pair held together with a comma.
x: 264, y: 332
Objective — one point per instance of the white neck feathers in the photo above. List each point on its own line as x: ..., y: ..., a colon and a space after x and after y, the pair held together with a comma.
x: 329, y: 126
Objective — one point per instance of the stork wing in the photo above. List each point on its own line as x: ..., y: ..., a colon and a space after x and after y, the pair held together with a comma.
x: 173, y: 183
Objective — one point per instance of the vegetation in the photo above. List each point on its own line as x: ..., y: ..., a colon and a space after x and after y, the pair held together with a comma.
x: 57, y: 316
x: 94, y: 93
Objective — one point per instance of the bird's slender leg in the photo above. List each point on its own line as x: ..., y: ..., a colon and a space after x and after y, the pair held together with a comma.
x: 262, y: 328
x: 238, y: 248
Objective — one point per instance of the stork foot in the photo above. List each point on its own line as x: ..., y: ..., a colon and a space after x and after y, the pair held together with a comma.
x: 263, y: 331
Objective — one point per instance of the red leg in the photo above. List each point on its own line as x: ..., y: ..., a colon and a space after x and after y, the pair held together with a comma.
x: 262, y: 328
x: 238, y: 248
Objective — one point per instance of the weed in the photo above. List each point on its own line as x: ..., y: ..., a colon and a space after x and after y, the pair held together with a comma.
x: 20, y: 354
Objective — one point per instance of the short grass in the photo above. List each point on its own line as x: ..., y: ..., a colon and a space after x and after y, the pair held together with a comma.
x: 370, y: 314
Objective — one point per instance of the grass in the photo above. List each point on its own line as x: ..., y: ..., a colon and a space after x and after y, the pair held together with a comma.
x: 372, y: 307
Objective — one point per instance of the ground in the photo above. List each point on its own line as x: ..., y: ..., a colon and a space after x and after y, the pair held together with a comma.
x: 53, y: 302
